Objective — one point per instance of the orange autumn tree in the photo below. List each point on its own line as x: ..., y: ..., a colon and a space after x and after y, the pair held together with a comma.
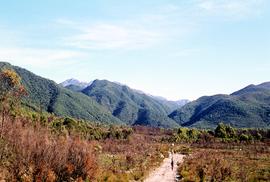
x: 11, y: 91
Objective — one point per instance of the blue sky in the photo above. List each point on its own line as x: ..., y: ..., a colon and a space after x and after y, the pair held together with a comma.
x: 172, y: 48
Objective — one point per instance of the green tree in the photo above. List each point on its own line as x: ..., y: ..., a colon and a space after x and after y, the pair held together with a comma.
x: 182, y: 134
x: 193, y: 134
x: 244, y: 137
x: 230, y: 131
x: 220, y: 131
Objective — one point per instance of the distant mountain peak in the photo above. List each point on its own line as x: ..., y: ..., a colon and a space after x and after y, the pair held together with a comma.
x: 182, y: 102
x: 75, y: 82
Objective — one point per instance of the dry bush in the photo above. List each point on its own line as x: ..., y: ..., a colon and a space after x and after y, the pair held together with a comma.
x: 38, y: 155
x: 247, y: 163
x: 206, y: 168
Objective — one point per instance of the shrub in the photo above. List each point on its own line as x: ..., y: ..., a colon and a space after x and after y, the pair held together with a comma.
x: 37, y: 154
x: 244, y: 137
x: 69, y: 123
x: 220, y: 131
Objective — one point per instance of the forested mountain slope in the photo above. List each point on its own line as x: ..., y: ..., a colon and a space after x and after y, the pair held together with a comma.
x: 52, y: 98
x: 248, y: 107
x: 129, y: 105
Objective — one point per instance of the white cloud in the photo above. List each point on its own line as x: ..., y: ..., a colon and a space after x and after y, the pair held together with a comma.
x: 105, y: 36
x: 231, y: 8
x: 170, y: 22
x: 14, y: 51
x: 38, y: 58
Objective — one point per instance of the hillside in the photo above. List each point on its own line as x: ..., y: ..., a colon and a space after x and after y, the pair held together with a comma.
x: 131, y: 106
x: 248, y: 107
x: 52, y: 98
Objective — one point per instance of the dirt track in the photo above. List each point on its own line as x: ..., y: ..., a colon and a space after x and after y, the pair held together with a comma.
x: 165, y: 173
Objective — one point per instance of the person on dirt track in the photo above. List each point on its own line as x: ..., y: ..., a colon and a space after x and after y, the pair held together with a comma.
x: 172, y: 163
x: 172, y: 152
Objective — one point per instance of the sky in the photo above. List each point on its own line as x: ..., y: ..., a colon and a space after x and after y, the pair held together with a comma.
x: 177, y: 49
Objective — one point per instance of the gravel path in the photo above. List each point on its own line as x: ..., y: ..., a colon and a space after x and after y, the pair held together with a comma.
x: 165, y: 173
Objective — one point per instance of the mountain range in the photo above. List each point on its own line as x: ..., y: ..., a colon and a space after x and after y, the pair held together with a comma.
x: 114, y: 103
x: 130, y: 106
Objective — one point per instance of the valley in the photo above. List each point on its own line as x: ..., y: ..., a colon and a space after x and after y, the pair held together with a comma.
x: 109, y: 132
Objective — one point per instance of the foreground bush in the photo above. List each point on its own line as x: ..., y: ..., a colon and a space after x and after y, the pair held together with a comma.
x: 69, y: 150
x: 250, y: 163
x: 32, y: 153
